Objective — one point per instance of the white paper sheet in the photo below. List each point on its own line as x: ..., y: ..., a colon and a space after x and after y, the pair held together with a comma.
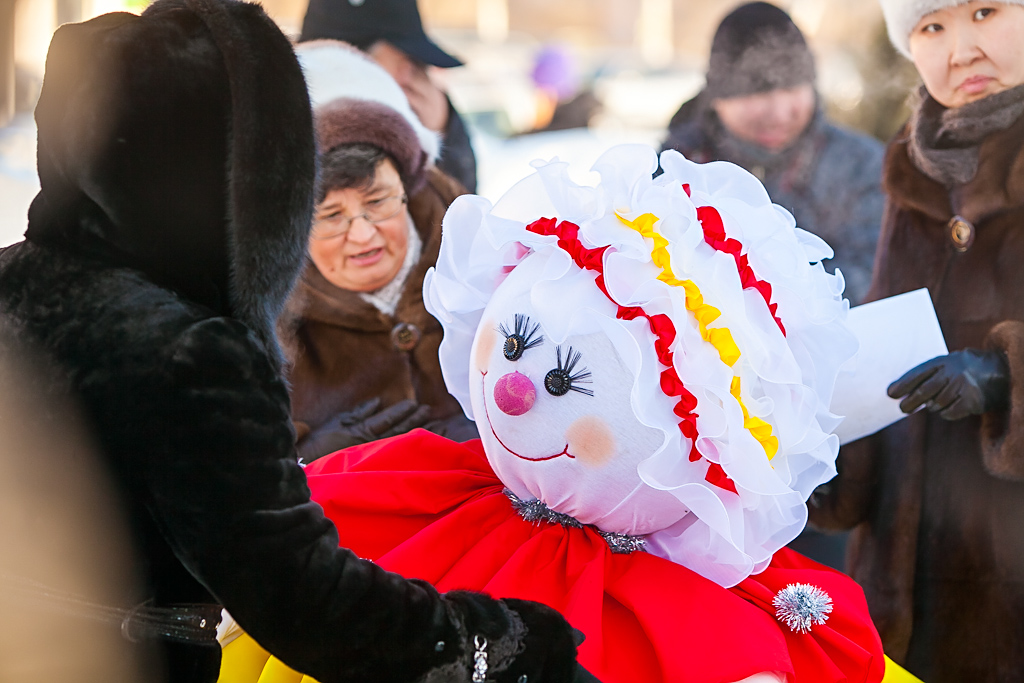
x: 895, y: 335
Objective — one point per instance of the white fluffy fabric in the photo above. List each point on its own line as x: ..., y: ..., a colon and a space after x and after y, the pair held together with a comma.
x: 787, y: 379
x: 901, y: 16
x: 335, y: 69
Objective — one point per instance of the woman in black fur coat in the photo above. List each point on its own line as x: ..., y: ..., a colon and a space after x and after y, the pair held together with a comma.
x: 152, y: 279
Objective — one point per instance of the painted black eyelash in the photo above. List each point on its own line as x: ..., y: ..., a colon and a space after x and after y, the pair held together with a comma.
x: 520, y: 340
x: 561, y: 381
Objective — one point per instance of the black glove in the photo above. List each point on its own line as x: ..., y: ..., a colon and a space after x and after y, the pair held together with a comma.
x: 457, y: 428
x: 522, y: 640
x: 363, y: 424
x: 966, y: 382
x: 584, y: 676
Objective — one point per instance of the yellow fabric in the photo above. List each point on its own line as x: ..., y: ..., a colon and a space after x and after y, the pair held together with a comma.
x: 720, y: 338
x: 894, y: 673
x: 244, y: 661
x: 758, y: 428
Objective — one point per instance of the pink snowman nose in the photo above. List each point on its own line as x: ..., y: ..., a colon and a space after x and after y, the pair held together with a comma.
x: 514, y: 394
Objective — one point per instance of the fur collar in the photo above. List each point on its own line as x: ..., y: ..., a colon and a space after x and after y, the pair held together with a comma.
x: 997, y: 185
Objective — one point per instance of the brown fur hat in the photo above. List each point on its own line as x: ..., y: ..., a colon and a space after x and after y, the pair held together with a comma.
x: 346, y: 121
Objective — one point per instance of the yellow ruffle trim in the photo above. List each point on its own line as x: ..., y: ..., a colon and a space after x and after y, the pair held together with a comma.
x: 705, y: 314
x: 758, y: 428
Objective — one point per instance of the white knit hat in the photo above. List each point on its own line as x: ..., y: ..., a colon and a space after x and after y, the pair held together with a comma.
x: 334, y: 69
x: 901, y: 16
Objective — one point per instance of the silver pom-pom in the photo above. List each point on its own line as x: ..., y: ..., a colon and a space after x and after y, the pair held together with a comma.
x: 623, y: 544
x: 801, y: 606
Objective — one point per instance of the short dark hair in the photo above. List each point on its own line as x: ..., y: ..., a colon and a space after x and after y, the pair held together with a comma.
x: 353, y: 165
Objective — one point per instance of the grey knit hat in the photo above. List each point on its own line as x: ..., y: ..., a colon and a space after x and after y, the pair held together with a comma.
x: 757, y: 48
x: 901, y: 16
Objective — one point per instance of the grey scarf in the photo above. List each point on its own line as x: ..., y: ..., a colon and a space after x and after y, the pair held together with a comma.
x: 944, y: 143
x: 787, y: 167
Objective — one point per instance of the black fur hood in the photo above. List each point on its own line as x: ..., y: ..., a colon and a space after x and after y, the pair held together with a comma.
x: 180, y: 143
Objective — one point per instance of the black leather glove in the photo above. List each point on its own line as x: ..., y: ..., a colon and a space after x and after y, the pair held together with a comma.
x: 517, y: 641
x: 965, y: 382
x: 457, y: 428
x: 363, y: 424
x: 584, y: 676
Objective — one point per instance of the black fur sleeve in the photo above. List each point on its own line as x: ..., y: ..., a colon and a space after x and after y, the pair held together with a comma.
x: 225, y: 489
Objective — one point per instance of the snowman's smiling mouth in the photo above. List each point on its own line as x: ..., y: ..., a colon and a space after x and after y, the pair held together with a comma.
x: 487, y: 416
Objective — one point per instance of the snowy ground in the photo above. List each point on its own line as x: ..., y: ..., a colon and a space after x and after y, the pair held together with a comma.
x: 18, y: 180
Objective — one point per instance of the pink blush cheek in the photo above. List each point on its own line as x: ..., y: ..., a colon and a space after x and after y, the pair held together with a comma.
x: 485, y: 341
x: 591, y: 440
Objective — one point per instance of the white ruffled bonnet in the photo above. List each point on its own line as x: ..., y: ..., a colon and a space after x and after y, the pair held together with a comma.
x: 740, y: 331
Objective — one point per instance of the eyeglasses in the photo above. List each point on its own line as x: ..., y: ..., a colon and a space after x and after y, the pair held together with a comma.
x: 336, y: 224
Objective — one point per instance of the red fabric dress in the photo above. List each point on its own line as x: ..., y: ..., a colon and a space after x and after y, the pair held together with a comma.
x: 429, y: 508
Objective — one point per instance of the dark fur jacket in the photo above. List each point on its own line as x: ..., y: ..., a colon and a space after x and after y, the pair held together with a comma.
x: 342, y: 351
x: 152, y: 280
x: 939, y: 543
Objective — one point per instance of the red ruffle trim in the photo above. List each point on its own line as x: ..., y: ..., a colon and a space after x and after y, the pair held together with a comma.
x: 661, y: 326
x: 714, y: 234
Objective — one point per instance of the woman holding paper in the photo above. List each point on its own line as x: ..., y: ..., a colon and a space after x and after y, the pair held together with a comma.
x: 939, y: 497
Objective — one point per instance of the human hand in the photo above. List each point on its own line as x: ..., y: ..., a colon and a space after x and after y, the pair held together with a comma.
x: 457, y: 428
x: 550, y: 646
x: 428, y: 101
x: 962, y: 383
x: 362, y: 424
x: 516, y: 639
x: 584, y: 676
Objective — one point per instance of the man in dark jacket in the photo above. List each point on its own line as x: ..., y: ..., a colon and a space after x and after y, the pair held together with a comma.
x: 152, y: 278
x: 759, y: 110
x: 392, y: 33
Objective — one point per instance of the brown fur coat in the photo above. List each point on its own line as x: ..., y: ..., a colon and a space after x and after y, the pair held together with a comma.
x: 343, y: 351
x: 939, y: 506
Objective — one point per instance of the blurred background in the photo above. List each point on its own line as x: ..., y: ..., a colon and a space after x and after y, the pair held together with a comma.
x: 620, y: 68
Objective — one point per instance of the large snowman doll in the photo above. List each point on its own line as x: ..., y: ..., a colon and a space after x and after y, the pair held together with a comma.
x: 650, y: 363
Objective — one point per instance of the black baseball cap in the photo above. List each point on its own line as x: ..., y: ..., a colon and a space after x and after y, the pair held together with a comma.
x: 364, y: 22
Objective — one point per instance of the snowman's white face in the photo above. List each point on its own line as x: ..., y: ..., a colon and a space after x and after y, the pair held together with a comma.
x: 556, y: 419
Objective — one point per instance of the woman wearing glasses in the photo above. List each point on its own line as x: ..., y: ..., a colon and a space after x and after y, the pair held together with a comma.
x: 362, y: 346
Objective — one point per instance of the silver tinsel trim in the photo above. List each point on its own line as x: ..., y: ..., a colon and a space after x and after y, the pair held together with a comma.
x: 802, y: 605
x: 623, y: 544
x: 536, y: 511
